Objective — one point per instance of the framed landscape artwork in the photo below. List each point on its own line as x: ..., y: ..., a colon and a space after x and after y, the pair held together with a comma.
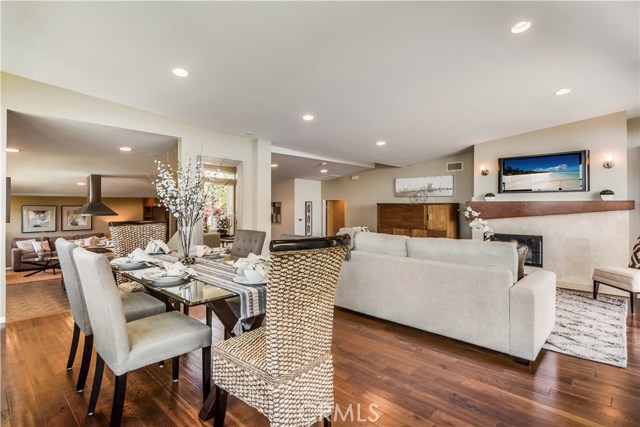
x: 434, y: 186
x: 72, y: 220
x: 38, y: 218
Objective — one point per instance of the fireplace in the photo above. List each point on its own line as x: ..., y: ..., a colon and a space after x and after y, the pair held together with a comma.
x: 534, y: 243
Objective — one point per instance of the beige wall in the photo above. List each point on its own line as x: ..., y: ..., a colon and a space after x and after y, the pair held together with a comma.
x: 254, y: 192
x: 283, y: 192
x: 633, y: 174
x: 377, y: 186
x: 128, y: 209
x: 606, y: 134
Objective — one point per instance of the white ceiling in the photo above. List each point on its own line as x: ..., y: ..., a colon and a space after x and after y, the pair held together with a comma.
x: 55, y: 154
x: 430, y: 78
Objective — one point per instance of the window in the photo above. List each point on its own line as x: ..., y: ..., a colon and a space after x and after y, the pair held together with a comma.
x: 222, y: 183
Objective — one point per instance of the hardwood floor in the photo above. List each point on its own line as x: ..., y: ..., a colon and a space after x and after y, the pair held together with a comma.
x: 392, y: 376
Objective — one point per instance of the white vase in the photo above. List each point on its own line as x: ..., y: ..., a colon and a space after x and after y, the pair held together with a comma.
x: 606, y: 196
x: 489, y: 198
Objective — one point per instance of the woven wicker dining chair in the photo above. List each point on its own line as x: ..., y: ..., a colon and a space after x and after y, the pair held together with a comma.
x: 285, y: 369
x: 129, y: 235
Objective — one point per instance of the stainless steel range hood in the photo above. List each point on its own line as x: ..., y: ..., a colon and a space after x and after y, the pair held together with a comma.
x: 94, y: 206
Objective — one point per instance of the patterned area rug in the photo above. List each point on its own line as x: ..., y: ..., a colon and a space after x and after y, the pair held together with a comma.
x: 14, y: 277
x: 35, y: 299
x: 590, y: 329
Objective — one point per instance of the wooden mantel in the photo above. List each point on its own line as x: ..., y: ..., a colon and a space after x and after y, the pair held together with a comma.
x: 493, y: 210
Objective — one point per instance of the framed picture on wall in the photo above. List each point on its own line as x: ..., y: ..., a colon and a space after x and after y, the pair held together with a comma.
x: 38, y: 218
x: 72, y: 220
x: 308, y: 213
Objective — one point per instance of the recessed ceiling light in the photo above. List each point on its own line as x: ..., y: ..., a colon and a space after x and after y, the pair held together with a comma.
x: 381, y: 143
x: 323, y: 171
x: 81, y: 183
x: 127, y: 149
x: 521, y: 27
x: 12, y: 150
x: 180, y: 72
x: 274, y: 165
x: 307, y: 117
x: 323, y: 164
x: 563, y: 91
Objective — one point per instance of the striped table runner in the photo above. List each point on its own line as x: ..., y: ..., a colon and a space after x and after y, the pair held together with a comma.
x: 253, y: 298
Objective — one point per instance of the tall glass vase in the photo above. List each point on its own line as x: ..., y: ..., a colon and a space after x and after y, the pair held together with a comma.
x: 185, y: 231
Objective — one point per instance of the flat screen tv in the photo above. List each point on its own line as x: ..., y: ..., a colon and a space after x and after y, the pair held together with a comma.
x: 545, y: 173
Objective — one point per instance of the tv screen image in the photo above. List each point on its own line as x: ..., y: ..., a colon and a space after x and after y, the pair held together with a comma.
x: 545, y: 173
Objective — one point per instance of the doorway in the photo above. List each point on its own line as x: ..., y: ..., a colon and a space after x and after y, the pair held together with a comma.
x: 336, y: 216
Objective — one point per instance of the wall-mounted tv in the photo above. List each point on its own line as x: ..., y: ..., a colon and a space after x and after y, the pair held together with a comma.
x: 545, y: 173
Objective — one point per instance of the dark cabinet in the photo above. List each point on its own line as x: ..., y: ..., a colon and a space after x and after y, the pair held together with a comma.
x: 419, y: 219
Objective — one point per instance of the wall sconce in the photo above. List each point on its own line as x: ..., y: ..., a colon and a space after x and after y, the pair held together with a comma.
x: 608, y: 161
x: 483, y: 170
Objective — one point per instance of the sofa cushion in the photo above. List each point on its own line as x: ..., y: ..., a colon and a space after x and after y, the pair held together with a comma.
x: 41, y: 246
x: 475, y: 252
x: 522, y: 254
x: 381, y: 243
x: 635, y: 256
x: 25, y: 245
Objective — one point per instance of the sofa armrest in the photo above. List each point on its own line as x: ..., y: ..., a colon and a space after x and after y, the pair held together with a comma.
x: 532, y: 313
x: 16, y: 256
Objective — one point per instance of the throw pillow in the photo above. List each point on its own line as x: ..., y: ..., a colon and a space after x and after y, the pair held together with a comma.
x: 41, y: 246
x: 25, y: 245
x: 522, y: 254
x: 635, y: 255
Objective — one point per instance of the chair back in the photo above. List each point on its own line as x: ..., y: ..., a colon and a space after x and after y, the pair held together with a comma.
x: 129, y: 235
x: 104, y: 307
x: 72, y: 285
x: 302, y: 280
x: 246, y: 242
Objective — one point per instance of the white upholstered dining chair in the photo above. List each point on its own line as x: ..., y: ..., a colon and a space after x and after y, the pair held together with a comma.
x: 135, y: 306
x: 123, y: 346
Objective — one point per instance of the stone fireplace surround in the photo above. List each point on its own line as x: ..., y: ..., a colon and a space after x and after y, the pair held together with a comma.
x: 574, y: 243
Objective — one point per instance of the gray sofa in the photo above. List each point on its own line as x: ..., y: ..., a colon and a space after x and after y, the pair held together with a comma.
x: 464, y: 289
x: 17, y: 255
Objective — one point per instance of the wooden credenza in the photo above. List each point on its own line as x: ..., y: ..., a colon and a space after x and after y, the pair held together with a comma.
x: 419, y: 219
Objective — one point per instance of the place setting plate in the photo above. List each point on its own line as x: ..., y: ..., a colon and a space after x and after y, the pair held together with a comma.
x: 129, y: 266
x: 161, y: 280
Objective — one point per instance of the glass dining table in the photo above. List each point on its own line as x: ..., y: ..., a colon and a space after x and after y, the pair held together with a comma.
x: 213, y: 286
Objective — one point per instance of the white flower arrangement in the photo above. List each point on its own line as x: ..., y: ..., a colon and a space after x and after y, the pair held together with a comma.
x: 478, y: 223
x: 184, y: 195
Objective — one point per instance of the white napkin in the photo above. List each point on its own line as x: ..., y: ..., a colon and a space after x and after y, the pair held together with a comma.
x: 253, y: 262
x: 202, y: 250
x: 120, y: 261
x: 157, y: 246
x: 138, y: 255
x: 177, y: 269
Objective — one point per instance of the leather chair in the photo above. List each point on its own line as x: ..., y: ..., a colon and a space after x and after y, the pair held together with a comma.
x: 211, y: 239
x: 285, y: 369
x: 246, y: 242
x: 135, y: 306
x: 124, y: 346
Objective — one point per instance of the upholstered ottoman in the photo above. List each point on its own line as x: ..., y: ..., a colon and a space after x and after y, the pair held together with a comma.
x: 625, y: 278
